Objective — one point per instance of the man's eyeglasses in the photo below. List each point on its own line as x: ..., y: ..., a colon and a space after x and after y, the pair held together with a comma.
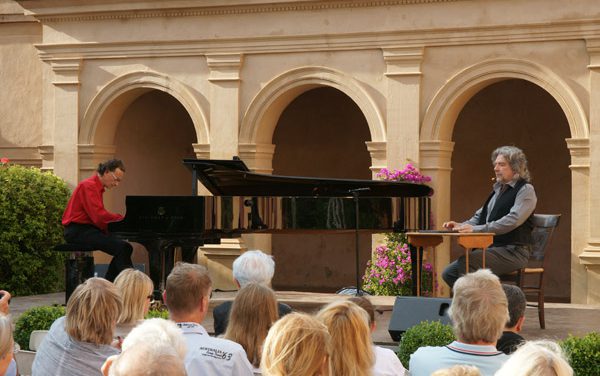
x: 114, y: 176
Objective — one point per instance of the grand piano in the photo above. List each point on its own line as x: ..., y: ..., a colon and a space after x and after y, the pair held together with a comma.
x: 244, y: 202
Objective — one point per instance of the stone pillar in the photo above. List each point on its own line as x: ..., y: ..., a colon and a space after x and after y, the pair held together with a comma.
x: 224, y: 129
x: 91, y: 155
x: 403, y: 104
x: 378, y: 156
x: 66, y: 118
x: 436, y: 157
x: 579, y: 149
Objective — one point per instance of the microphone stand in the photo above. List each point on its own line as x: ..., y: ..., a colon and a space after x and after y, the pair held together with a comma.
x: 355, y: 195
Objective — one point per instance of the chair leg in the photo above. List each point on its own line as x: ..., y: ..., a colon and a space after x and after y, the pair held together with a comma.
x: 541, y: 309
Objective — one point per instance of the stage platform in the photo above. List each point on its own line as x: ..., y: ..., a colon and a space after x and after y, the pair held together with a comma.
x: 561, y: 319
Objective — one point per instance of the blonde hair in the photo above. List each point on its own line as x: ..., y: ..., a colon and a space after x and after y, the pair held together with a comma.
x: 537, y: 358
x: 297, y: 345
x: 348, y: 326
x: 253, y: 312
x: 458, y: 370
x: 187, y: 285
x: 92, y: 311
x: 6, y: 338
x: 479, y: 309
x: 135, y: 287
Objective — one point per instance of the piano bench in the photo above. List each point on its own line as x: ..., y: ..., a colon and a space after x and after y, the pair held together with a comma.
x: 78, y: 267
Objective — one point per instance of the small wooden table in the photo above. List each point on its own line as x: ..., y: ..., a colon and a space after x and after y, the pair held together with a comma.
x: 468, y: 241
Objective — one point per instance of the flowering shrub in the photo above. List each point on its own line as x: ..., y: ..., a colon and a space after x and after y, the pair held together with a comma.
x: 389, y: 272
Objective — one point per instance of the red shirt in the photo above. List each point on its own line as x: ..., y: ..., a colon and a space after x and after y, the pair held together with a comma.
x: 86, y: 205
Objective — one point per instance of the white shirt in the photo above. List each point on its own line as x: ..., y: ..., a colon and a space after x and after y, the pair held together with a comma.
x: 209, y: 356
x: 387, y: 363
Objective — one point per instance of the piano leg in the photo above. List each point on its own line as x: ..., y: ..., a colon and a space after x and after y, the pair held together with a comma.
x: 188, y: 254
x: 415, y: 267
x: 160, y: 259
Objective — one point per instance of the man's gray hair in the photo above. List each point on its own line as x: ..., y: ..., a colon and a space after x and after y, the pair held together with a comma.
x: 516, y: 303
x: 516, y: 159
x: 479, y: 309
x: 253, y: 266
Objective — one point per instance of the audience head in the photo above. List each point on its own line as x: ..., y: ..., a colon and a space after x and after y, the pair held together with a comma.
x: 537, y: 358
x: 161, y: 346
x: 6, y: 343
x: 515, y: 158
x: 364, y: 303
x: 479, y: 309
x: 348, y: 325
x: 458, y: 370
x: 136, y: 292
x: 188, y: 287
x: 253, y: 266
x: 297, y: 345
x: 253, y: 312
x: 92, y: 311
x: 516, y: 304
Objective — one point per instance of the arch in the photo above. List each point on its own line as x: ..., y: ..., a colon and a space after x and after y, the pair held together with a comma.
x: 440, y: 116
x: 105, y: 109
x: 261, y: 118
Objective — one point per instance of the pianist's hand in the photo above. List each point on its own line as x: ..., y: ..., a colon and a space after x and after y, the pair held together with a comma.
x: 466, y: 228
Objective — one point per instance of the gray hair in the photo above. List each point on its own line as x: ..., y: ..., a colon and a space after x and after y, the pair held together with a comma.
x: 6, y: 338
x: 516, y: 159
x: 253, y: 266
x: 161, y: 345
x: 479, y: 309
x: 516, y: 303
x: 537, y: 358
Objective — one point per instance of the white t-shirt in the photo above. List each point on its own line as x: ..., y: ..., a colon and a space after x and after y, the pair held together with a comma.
x: 387, y: 363
x: 211, y: 356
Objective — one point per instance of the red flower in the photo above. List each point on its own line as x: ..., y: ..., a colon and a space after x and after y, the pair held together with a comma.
x: 3, y: 160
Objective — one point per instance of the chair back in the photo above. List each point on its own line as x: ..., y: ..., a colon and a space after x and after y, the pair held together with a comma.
x: 543, y: 228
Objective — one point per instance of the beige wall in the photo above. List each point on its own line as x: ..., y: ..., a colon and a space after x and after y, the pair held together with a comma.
x: 234, y: 67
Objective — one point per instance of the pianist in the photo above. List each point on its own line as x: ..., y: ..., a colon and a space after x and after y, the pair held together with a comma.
x: 507, y: 212
x: 86, y: 220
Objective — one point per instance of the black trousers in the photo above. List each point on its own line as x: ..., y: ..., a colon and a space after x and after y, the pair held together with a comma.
x: 91, y: 235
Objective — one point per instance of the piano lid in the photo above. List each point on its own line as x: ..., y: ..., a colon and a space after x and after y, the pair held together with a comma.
x: 233, y: 178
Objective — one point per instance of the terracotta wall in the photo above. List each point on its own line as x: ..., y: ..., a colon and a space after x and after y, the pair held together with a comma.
x: 516, y: 112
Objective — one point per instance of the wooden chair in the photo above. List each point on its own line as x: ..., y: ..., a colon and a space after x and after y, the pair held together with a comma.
x: 531, y: 278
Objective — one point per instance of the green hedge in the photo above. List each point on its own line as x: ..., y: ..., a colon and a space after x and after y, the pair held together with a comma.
x: 37, y: 318
x: 31, y: 207
x: 427, y: 333
x: 583, y: 353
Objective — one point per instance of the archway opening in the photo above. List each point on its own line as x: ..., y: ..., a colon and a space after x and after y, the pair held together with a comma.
x: 321, y: 133
x: 520, y: 113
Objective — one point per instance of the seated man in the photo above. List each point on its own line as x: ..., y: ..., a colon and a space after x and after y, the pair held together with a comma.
x: 517, y: 303
x: 187, y: 297
x: 479, y: 311
x: 250, y: 266
x: 507, y: 212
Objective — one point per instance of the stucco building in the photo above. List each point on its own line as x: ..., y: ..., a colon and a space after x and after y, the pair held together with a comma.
x: 317, y: 88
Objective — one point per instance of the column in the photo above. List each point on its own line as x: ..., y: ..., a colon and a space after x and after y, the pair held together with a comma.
x: 66, y: 118
x: 90, y: 155
x: 436, y: 157
x: 403, y: 104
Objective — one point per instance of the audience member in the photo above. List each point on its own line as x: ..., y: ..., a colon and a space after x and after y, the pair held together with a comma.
x: 250, y: 266
x: 253, y: 313
x: 348, y: 325
x: 136, y: 292
x: 4, y: 301
x: 458, y: 370
x: 297, y: 345
x: 187, y: 297
x: 7, y: 361
x: 386, y: 361
x: 159, y: 343
x: 517, y: 303
x: 537, y: 358
x: 79, y: 343
x: 479, y: 311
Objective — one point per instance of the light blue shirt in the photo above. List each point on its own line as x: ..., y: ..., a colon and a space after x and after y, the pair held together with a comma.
x: 427, y: 360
